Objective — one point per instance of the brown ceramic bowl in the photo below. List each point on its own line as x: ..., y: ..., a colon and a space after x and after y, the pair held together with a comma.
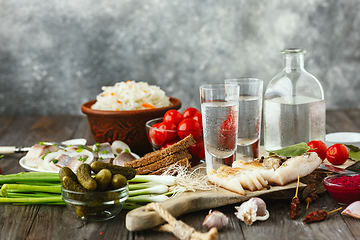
x: 126, y: 126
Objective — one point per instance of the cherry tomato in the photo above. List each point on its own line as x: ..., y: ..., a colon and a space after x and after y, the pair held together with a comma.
x: 153, y: 134
x: 167, y: 136
x: 229, y: 160
x: 168, y: 144
x: 197, y: 148
x: 189, y: 126
x: 160, y: 136
x: 228, y: 124
x: 319, y: 147
x: 228, y: 127
x: 198, y: 117
x: 190, y: 112
x: 337, y: 154
x: 202, y: 154
x: 173, y: 116
x: 197, y: 151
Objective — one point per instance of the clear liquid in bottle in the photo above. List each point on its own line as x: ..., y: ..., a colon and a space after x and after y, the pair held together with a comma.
x: 294, y: 105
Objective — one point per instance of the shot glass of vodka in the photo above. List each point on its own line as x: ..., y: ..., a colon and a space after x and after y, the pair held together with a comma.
x: 219, y: 109
x: 249, y: 122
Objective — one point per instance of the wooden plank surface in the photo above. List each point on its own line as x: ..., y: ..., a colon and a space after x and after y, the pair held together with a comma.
x: 57, y: 222
x: 139, y: 219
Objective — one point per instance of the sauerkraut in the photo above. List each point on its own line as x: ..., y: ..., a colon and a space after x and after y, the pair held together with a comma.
x: 131, y: 95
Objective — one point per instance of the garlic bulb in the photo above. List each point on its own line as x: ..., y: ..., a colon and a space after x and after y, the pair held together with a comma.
x: 215, y: 219
x: 252, y: 210
x: 353, y: 210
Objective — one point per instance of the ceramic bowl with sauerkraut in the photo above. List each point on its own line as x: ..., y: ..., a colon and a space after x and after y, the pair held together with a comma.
x: 121, y: 111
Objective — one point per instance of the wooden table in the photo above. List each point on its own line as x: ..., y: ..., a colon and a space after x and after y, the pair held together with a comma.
x: 56, y: 222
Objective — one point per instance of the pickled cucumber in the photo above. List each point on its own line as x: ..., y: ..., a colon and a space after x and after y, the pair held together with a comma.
x: 65, y: 171
x: 84, y: 177
x: 70, y: 184
x: 118, y: 181
x: 103, y: 178
x: 127, y: 172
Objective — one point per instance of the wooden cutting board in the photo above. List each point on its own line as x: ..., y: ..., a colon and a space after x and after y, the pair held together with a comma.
x: 139, y: 219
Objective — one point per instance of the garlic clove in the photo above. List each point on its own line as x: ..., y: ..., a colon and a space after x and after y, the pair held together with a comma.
x: 353, y: 210
x: 263, y: 218
x: 252, y: 210
x: 215, y: 219
x: 261, y: 206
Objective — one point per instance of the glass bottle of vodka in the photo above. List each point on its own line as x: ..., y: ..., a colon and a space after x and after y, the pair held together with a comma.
x: 294, y: 105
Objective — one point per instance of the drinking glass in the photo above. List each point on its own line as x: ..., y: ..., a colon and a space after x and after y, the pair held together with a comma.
x: 219, y: 109
x: 250, y: 109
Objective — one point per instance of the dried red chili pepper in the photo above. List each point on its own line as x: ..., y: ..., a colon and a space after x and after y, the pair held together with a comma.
x: 318, y: 215
x: 311, y: 198
x: 294, y: 207
x: 295, y: 203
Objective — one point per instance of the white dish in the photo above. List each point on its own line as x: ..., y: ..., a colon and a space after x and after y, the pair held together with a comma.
x: 352, y: 138
x: 31, y: 169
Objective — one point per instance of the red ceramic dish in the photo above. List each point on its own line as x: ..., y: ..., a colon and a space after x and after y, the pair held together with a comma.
x: 157, y: 144
x: 343, y: 190
x: 126, y: 126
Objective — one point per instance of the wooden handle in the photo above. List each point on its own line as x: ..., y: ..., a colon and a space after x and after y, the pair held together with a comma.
x: 7, y: 150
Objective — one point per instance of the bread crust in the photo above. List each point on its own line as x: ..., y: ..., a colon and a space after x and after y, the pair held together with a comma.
x: 167, y: 161
x: 161, y: 154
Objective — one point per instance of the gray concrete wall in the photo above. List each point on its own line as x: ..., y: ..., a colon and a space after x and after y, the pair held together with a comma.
x: 56, y: 55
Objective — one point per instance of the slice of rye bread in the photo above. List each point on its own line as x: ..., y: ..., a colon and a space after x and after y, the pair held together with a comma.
x: 184, y: 162
x: 173, y: 158
x: 160, y: 154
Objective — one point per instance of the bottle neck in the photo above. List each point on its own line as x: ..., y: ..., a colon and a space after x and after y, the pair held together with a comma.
x: 293, y: 62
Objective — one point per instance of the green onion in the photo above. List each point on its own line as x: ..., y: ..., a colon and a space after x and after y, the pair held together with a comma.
x: 29, y: 188
x: 126, y: 150
x: 97, y: 145
x: 39, y: 183
x: 32, y: 200
x: 104, y: 152
x: 43, y: 156
x: 1, y: 156
x: 147, y: 198
x: 83, y: 159
x: 167, y: 180
x: 130, y: 206
x: 159, y: 189
x: 37, y: 195
x: 89, y: 149
x: 30, y: 176
x: 142, y: 185
x: 41, y: 143
x: 42, y: 203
